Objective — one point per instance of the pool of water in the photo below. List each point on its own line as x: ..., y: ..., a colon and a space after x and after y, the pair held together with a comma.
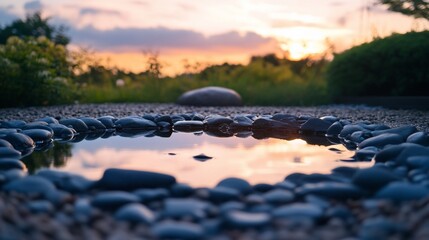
x: 266, y: 160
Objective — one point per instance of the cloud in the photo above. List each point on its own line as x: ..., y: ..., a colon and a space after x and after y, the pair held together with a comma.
x: 296, y: 23
x: 6, y: 17
x: 97, y: 11
x: 33, y: 6
x: 137, y: 39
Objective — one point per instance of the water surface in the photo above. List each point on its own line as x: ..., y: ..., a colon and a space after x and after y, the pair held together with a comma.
x: 258, y: 161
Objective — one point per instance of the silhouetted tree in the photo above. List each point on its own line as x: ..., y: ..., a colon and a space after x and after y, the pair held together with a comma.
x: 414, y: 8
x: 34, y: 26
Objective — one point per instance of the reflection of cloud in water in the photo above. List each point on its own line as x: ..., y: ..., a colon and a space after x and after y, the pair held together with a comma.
x: 267, y: 160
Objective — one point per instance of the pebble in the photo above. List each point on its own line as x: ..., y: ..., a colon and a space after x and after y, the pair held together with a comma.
x: 218, y: 122
x: 120, y: 179
x: 9, y: 152
x: 112, y: 200
x: 334, y: 190
x: 178, y: 230
x: 402, y: 191
x: 31, y: 185
x: 39, y: 135
x: 62, y: 132
x: 77, y: 124
x: 241, y: 185
x: 135, y: 123
x: 93, y: 124
x: 48, y: 120
x: 278, y: 196
x: 188, y: 126
x: 19, y: 141
x: 404, y: 131
x: 149, y: 195
x: 374, y: 178
x: 8, y: 164
x: 421, y: 138
x: 315, y: 125
x: 298, y: 211
x: 349, y: 129
x: 12, y: 124
x: 40, y: 206
x: 223, y: 194
x: 382, y: 140
x: 66, y: 181
x: 266, y: 123
x: 334, y: 130
x: 240, y: 219
x: 108, y: 121
x: 136, y: 213
x: 418, y: 162
x: 181, y: 208
x: 181, y: 190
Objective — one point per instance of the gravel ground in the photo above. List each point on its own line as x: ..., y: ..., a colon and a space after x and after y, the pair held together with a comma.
x: 70, y: 216
x: 393, y: 118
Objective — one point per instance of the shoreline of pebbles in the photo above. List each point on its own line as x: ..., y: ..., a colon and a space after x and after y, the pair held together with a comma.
x: 387, y: 201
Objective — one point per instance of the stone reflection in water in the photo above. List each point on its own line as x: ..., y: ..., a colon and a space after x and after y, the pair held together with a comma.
x: 56, y: 156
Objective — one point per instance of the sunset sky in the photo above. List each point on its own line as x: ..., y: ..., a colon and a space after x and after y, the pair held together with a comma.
x: 212, y: 31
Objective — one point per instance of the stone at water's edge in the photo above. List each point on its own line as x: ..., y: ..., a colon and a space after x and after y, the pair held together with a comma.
x: 210, y: 96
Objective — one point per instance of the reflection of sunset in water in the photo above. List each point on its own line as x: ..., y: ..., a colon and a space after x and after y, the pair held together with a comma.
x: 267, y: 161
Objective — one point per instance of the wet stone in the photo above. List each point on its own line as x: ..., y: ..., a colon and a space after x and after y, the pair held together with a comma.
x: 374, y: 178
x: 421, y: 138
x: 62, y: 132
x: 223, y: 194
x: 4, y: 143
x: 39, y: 135
x: 48, y: 120
x: 349, y: 129
x: 136, y: 213
x: 75, y: 123
x: 410, y: 151
x: 231, y: 206
x: 12, y: 124
x: 402, y: 191
x: 8, y: 164
x: 120, y: 179
x: 240, y: 219
x: 418, y: 162
x: 334, y: 130
x: 93, y: 124
x: 217, y: 122
x: 9, y: 152
x: 330, y: 119
x: 382, y: 140
x: 66, y: 181
x: 315, y: 125
x: 266, y: 123
x: 298, y: 211
x: 178, y: 230
x: 263, y: 187
x: 19, y: 141
x: 278, y: 196
x: 180, y: 208
x: 181, y: 190
x: 31, y: 185
x: 108, y: 121
x: 333, y: 190
x: 210, y: 96
x: 135, y: 123
x: 241, y: 185
x: 359, y: 136
x: 188, y: 126
x: 404, y: 131
x: 365, y: 154
x: 113, y: 199
x: 380, y: 228
x: 149, y: 195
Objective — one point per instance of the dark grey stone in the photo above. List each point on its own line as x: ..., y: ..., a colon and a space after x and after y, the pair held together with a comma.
x: 40, y: 206
x: 69, y: 182
x: 382, y: 140
x: 210, y: 96
x: 136, y: 213
x: 62, y: 132
x: 334, y: 130
x: 241, y: 219
x: 421, y: 138
x: 278, y: 196
x: 8, y: 164
x: 31, y: 185
x: 267, y: 124
x: 181, y: 190
x: 365, y: 154
x: 48, y: 120
x: 231, y: 206
x: 404, y: 131
x: 349, y: 129
x: 93, y: 124
x: 149, y: 195
x: 9, y: 152
x: 298, y: 211
x: 135, y: 123
x: 223, y: 194
x: 217, y: 122
x: 263, y: 187
x: 381, y: 228
x: 4, y: 143
x: 178, y: 230
x: 418, y: 162
x: 315, y: 125
x: 188, y: 126
x: 241, y: 185
x: 75, y: 123
x: 374, y: 178
x: 12, y: 124
x: 120, y: 179
x: 108, y: 121
x: 19, y: 141
x: 39, y: 135
x: 182, y: 208
x: 334, y: 190
x: 113, y: 199
x: 402, y: 191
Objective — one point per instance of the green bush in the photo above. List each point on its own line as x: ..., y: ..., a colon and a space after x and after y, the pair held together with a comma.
x: 397, y: 65
x: 34, y: 72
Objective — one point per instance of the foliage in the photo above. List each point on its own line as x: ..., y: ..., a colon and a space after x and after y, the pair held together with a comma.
x: 34, y: 71
x: 34, y: 26
x: 266, y: 80
x: 414, y: 8
x: 394, y: 66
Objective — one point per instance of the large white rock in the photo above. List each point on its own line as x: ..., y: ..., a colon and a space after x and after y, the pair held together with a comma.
x: 210, y: 96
